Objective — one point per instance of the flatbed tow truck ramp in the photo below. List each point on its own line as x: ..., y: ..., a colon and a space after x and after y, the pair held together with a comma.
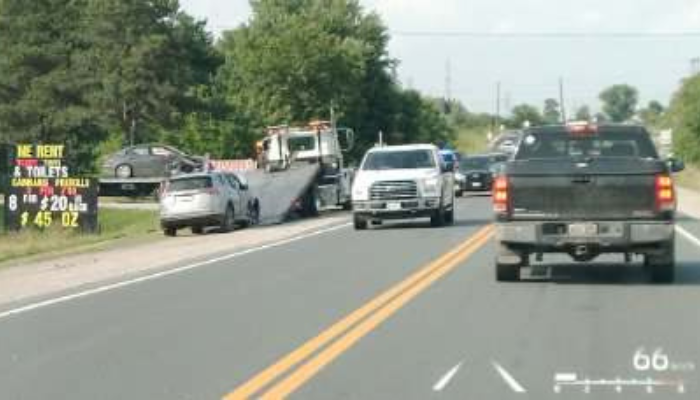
x: 279, y: 191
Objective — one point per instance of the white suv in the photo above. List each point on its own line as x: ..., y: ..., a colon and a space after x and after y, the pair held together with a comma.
x: 400, y: 182
x: 207, y: 199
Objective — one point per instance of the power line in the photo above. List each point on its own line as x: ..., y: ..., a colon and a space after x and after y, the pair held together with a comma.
x: 550, y: 35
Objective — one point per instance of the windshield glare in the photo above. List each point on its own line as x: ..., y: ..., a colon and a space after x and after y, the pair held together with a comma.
x: 410, y: 159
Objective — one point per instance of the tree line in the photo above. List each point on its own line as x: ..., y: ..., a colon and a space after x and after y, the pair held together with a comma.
x: 101, y: 74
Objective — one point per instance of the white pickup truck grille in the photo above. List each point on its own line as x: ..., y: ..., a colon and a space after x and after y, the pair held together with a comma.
x: 393, y: 190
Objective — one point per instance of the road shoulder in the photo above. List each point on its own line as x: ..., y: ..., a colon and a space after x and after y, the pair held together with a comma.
x: 689, y: 202
x: 35, y: 279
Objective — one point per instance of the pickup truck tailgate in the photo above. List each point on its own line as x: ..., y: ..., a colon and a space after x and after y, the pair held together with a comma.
x: 584, y: 191
x: 584, y: 197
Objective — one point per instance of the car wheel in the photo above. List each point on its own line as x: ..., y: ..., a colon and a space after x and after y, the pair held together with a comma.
x: 662, y: 266
x: 228, y: 223
x: 124, y: 171
x: 508, y: 264
x: 170, y: 232
x: 450, y: 216
x: 438, y: 218
x: 254, y: 212
x: 198, y: 230
x: 310, y: 205
x: 459, y: 193
x: 360, y: 223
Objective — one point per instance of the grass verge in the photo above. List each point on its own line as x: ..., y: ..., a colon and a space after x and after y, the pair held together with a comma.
x: 690, y: 178
x: 115, y: 225
x: 473, y: 140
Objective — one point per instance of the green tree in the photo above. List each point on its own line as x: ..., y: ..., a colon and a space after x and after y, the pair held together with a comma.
x: 295, y: 60
x: 652, y: 114
x: 420, y: 120
x: 619, y: 102
x: 551, y: 113
x: 583, y: 113
x: 151, y: 58
x: 525, y: 114
x: 45, y: 81
x: 685, y: 119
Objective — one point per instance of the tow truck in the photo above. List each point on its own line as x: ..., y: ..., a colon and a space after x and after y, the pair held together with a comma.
x: 302, y: 169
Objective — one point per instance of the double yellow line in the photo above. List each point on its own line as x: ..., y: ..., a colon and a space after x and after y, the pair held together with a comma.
x: 300, y: 366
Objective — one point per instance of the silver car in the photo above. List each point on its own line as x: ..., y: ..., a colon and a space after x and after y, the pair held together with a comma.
x: 201, y: 200
x: 150, y: 160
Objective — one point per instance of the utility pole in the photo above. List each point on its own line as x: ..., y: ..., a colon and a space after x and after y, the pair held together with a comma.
x: 507, y: 101
x: 448, y: 80
x: 562, y: 107
x: 333, y: 122
x: 497, y: 116
x: 694, y: 66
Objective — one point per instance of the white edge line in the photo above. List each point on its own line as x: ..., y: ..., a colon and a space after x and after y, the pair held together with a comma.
x: 445, y: 379
x: 508, y: 378
x: 162, y: 274
x: 688, y: 235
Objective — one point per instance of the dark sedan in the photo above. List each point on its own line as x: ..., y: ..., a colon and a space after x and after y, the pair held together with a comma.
x: 477, y: 171
x: 150, y: 161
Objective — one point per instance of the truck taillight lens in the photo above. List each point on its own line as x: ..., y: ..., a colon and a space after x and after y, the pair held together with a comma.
x: 665, y: 193
x: 501, y: 195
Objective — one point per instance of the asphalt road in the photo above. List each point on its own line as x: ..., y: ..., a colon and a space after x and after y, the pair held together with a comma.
x: 399, y: 312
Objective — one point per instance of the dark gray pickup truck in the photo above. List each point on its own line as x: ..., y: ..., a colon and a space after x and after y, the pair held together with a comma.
x: 586, y: 190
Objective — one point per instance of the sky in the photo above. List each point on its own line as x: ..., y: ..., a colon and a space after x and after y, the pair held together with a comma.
x: 527, y: 67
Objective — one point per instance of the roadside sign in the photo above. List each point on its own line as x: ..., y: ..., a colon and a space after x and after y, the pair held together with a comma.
x: 4, y: 167
x: 42, y: 193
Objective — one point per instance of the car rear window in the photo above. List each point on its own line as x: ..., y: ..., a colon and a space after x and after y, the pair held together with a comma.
x: 473, y: 163
x: 194, y: 183
x: 539, y: 145
x: 409, y: 159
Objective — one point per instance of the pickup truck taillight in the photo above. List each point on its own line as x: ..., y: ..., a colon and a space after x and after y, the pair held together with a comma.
x: 501, y: 195
x: 665, y: 193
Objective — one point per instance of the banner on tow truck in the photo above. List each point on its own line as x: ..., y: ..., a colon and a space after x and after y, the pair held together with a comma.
x: 42, y: 193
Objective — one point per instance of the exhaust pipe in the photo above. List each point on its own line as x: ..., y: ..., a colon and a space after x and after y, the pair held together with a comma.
x: 584, y: 252
x: 581, y: 251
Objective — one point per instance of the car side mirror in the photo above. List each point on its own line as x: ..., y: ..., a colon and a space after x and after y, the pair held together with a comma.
x: 675, y: 165
x: 346, y: 137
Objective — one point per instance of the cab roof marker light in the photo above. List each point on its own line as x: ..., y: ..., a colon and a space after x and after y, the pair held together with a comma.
x: 582, y: 128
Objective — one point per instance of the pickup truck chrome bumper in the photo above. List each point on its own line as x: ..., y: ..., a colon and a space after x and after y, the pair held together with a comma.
x: 607, y: 233
x: 397, y: 209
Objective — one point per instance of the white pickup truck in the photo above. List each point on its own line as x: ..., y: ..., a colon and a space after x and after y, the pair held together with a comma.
x: 401, y: 182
